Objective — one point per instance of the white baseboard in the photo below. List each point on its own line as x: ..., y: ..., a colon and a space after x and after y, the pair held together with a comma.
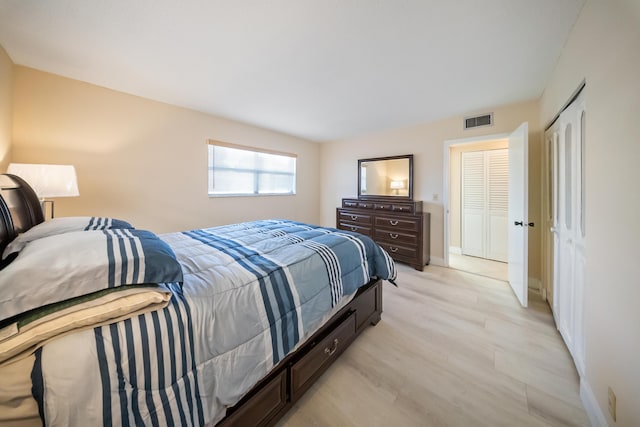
x: 436, y: 261
x: 455, y: 250
x: 535, y: 284
x: 591, y: 406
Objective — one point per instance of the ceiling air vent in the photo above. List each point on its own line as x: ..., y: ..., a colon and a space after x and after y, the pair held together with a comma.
x: 478, y: 121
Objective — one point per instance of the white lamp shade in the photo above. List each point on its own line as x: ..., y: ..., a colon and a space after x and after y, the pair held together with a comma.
x: 48, y: 180
x: 397, y: 185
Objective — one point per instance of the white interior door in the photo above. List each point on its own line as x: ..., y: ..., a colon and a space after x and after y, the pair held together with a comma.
x: 518, y: 212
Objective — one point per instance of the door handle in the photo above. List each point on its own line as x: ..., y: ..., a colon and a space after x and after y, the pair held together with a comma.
x: 553, y: 229
x: 523, y: 224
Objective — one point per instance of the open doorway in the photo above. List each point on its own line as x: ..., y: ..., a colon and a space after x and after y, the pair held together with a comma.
x: 517, y: 203
x: 478, y: 206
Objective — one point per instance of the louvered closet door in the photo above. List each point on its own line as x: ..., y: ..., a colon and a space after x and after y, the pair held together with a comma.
x: 473, y: 204
x: 485, y: 199
x: 497, y: 204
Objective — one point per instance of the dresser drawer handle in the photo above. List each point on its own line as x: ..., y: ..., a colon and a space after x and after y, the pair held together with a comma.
x: 354, y: 228
x: 393, y: 236
x: 333, y: 348
x: 354, y: 217
x: 393, y: 249
x: 392, y: 222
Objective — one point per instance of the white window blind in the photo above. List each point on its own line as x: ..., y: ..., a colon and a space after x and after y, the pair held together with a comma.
x: 236, y: 170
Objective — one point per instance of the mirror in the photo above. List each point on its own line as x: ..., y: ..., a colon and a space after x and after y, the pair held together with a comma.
x: 386, y: 177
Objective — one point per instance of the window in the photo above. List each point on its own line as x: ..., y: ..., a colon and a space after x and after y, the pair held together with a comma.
x: 235, y: 170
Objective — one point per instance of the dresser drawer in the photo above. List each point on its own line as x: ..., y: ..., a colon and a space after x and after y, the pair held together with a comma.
x: 396, y: 237
x: 318, y: 359
x: 403, y: 207
x: 383, y: 206
x: 349, y: 203
x: 357, y: 228
x: 365, y: 205
x: 393, y: 223
x: 353, y: 217
x: 396, y: 250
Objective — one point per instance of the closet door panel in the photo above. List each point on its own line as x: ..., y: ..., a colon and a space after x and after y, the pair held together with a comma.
x: 473, y: 204
x: 497, y: 162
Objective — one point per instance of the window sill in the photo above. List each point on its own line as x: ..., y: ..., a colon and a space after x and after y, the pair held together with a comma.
x: 250, y: 195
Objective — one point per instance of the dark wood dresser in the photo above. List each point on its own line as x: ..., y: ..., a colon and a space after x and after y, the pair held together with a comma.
x: 401, y: 227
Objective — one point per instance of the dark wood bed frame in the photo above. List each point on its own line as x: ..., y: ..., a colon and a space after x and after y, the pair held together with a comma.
x: 274, y: 395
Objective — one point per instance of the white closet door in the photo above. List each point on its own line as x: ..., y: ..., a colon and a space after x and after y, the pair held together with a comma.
x: 497, y: 204
x: 570, y: 248
x: 551, y: 215
x: 485, y: 200
x: 473, y: 203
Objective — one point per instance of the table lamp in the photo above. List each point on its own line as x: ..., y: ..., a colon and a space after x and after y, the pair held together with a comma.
x: 48, y: 180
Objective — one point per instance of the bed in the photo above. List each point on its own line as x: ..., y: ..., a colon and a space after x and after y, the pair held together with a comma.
x: 101, y: 323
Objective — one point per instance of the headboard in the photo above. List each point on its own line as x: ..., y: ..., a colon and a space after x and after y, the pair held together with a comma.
x: 20, y: 208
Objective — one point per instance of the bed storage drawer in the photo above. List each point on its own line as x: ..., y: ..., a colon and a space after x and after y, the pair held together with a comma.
x: 318, y: 359
x: 365, y: 307
x: 262, y: 406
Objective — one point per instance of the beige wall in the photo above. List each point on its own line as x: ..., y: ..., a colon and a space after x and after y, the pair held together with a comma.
x: 6, y: 87
x: 426, y: 143
x: 604, y: 49
x: 145, y: 161
x: 455, y: 184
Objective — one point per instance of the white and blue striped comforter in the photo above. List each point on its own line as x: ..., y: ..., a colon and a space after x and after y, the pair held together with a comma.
x: 252, y: 292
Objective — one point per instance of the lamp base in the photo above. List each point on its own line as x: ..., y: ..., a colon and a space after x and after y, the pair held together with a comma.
x: 43, y: 205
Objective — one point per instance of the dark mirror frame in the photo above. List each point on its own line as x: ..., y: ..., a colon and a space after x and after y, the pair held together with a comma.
x: 385, y: 197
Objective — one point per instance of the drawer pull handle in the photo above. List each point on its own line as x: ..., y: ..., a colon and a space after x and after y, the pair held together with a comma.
x: 354, y: 228
x: 354, y: 217
x: 393, y: 249
x: 392, y: 222
x: 393, y: 236
x: 333, y: 348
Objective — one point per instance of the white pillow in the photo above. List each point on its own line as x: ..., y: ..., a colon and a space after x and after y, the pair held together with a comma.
x: 62, y: 225
x: 57, y: 268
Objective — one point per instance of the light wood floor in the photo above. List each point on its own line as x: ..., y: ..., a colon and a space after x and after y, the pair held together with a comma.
x: 481, y: 266
x: 452, y: 349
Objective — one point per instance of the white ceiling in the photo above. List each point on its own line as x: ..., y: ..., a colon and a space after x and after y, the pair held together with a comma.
x: 319, y: 69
